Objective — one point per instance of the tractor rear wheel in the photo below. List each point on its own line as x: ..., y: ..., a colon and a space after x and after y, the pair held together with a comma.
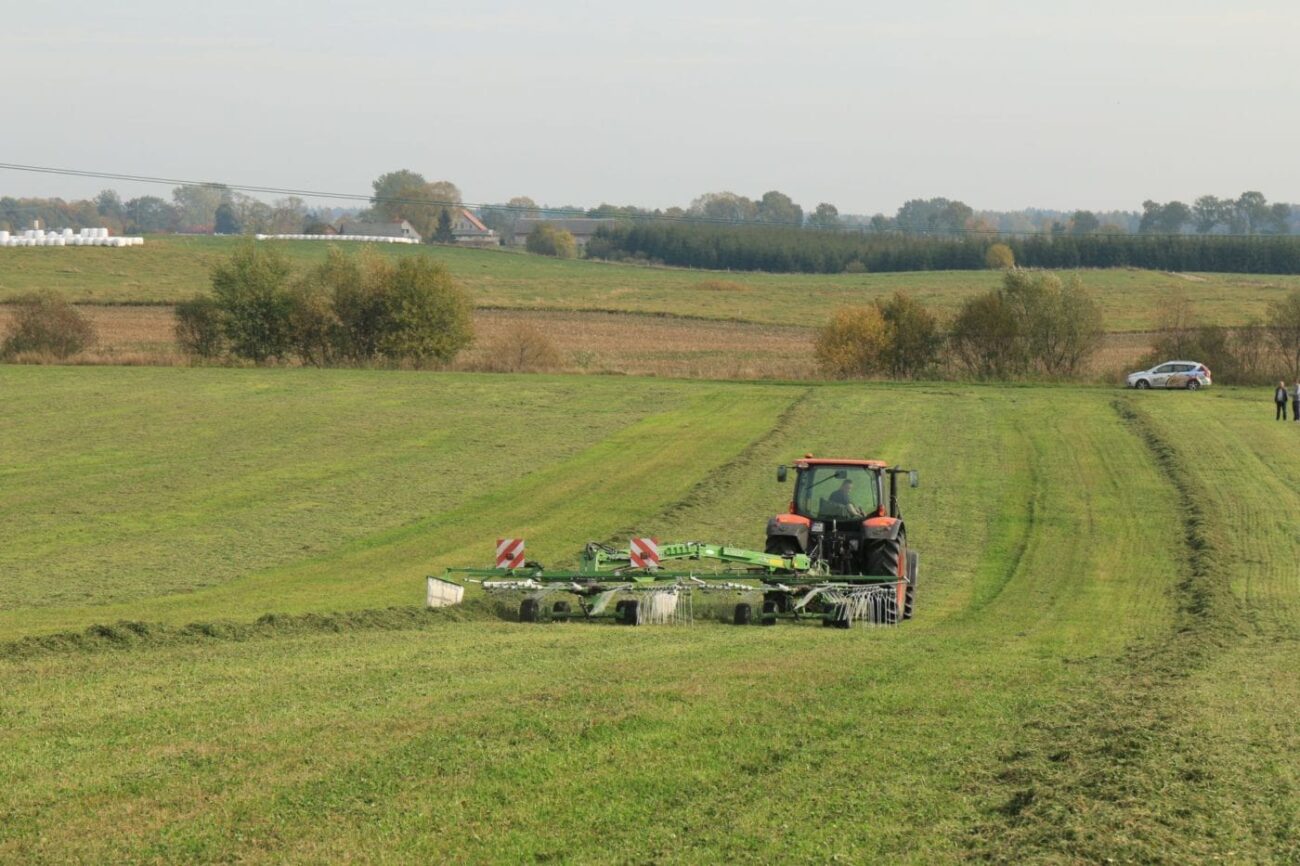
x: 743, y: 614
x: 883, y: 556
x: 781, y: 545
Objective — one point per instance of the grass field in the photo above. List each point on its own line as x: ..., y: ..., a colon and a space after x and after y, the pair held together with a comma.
x: 1102, y: 663
x: 167, y: 269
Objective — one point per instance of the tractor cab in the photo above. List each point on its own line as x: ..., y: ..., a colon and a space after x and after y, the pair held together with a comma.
x: 844, y: 515
x: 835, y: 491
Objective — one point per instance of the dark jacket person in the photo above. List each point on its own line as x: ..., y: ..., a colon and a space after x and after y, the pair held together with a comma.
x: 1279, y: 400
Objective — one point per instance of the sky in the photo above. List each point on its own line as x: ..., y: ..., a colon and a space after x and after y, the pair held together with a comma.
x: 1003, y: 105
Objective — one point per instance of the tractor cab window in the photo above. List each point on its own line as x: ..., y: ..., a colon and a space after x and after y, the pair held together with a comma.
x: 836, y: 492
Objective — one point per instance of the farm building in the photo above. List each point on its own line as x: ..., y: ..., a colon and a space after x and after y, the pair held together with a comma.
x: 470, y: 230
x: 401, y: 229
x: 581, y: 229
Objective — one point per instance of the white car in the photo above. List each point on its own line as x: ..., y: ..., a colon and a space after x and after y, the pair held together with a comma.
x: 1172, y: 374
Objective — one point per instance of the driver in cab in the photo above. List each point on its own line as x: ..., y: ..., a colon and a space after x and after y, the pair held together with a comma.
x: 842, y: 500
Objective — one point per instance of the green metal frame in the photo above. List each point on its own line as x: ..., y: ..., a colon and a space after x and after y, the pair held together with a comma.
x: 601, y: 564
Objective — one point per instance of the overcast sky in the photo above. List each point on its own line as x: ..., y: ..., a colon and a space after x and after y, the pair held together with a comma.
x: 1003, y: 105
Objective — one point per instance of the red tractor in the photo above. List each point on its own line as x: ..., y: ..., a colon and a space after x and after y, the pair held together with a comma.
x: 844, y: 517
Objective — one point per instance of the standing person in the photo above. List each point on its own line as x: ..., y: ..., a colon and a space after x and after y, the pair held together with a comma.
x: 1295, y: 402
x: 1279, y: 400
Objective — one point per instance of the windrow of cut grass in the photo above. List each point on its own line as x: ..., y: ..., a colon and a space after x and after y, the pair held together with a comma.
x: 489, y: 741
x: 168, y: 269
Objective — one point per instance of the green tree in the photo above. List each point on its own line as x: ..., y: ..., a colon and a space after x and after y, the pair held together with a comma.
x: 777, y: 207
x: 914, y: 340
x: 225, y: 221
x: 314, y: 327
x: 985, y: 338
x: 200, y: 327
x: 1168, y: 219
x: 358, y: 288
x: 288, y: 216
x: 196, y: 204
x: 431, y: 318
x: 149, y: 214
x: 1084, y: 222
x: 547, y: 240
x: 1208, y: 212
x: 406, y: 195
x: 933, y: 216
x: 1279, y: 219
x: 443, y: 234
x: 1253, y: 211
x: 1060, y: 325
x: 824, y: 216
x: 725, y: 206
x: 108, y: 204
x: 250, y: 289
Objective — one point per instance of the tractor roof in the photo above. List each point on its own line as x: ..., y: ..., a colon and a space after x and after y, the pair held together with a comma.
x: 831, y: 461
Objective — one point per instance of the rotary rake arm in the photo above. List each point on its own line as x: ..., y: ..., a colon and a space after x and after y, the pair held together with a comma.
x: 791, y: 586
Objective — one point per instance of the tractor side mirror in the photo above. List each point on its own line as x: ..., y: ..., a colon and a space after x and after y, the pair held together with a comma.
x: 914, y: 478
x: 781, y: 474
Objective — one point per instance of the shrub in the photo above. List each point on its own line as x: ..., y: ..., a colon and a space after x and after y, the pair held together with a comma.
x: 1061, y: 325
x: 1000, y: 257
x: 429, y: 317
x: 358, y: 290
x: 914, y: 339
x: 855, y: 267
x: 45, y: 323
x: 314, y: 328
x: 547, y: 240
x: 525, y: 350
x: 1238, y: 356
x: 985, y: 338
x: 1284, y: 324
x: 855, y: 342
x: 250, y: 290
x: 200, y: 329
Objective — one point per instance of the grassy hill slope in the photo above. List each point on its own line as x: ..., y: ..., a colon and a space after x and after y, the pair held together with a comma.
x: 1100, y: 665
x: 168, y: 269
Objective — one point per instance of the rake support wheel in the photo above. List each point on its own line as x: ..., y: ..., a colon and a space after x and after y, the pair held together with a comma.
x: 528, y: 610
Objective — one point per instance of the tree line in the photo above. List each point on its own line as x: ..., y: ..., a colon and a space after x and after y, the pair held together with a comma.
x: 1036, y: 325
x: 788, y: 250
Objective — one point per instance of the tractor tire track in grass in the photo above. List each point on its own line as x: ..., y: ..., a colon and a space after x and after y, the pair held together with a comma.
x: 1115, y: 774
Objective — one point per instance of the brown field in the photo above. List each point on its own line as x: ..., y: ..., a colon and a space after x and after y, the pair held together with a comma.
x: 630, y: 344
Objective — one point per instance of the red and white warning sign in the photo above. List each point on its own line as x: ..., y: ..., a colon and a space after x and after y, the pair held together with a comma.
x: 510, y: 552
x: 644, y: 552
